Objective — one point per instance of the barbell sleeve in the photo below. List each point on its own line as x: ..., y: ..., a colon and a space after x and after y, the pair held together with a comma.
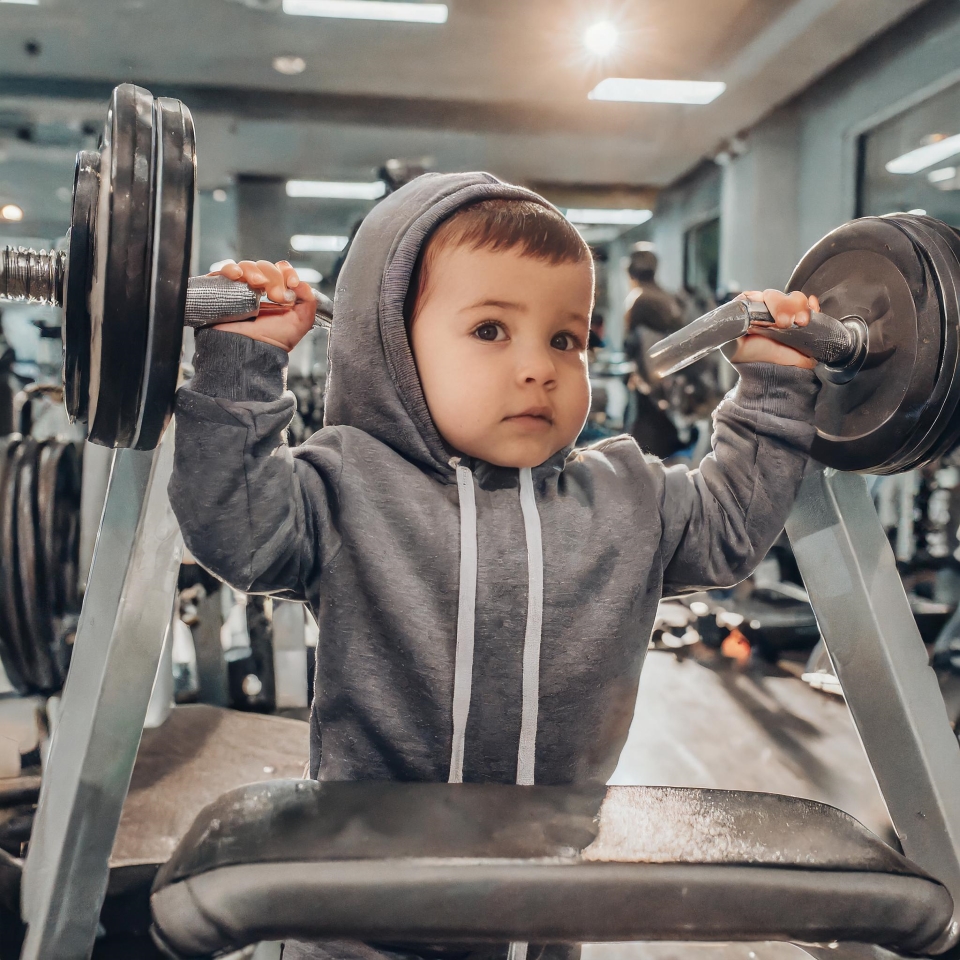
x: 824, y: 338
x: 217, y: 299
x: 32, y: 275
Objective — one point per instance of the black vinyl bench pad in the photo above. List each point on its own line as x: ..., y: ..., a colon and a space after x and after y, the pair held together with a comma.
x: 410, y: 863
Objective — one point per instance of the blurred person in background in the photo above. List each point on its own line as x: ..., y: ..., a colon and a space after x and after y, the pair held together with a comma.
x: 651, y: 313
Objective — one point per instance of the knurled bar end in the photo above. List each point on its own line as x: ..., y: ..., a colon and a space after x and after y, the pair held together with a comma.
x: 35, y: 276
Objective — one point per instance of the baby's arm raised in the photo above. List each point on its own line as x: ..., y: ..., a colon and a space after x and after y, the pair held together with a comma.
x: 250, y: 511
x: 720, y: 520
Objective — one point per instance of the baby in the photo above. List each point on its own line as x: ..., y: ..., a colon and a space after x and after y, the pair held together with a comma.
x: 485, y: 592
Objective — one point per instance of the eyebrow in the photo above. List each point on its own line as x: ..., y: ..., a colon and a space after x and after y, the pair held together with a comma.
x: 504, y: 304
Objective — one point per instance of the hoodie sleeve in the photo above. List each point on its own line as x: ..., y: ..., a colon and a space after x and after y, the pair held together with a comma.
x: 254, y: 514
x: 719, y: 521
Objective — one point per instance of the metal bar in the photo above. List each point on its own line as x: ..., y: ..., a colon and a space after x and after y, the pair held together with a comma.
x: 126, y: 611
x: 289, y: 655
x: 863, y: 612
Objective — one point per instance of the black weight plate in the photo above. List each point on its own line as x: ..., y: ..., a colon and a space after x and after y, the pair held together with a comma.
x: 76, y: 286
x: 120, y: 298
x: 58, y: 506
x: 32, y: 597
x: 946, y: 437
x: 941, y: 259
x: 176, y: 176
x: 870, y: 269
x: 16, y: 643
x: 9, y: 645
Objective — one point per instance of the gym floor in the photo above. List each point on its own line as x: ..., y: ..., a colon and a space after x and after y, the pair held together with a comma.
x: 718, y: 725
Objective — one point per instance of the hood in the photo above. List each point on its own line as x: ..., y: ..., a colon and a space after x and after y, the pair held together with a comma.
x: 372, y: 381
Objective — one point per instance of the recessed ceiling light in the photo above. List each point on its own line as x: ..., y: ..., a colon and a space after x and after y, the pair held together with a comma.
x: 11, y: 211
x: 220, y: 195
x: 608, y: 216
x: 925, y: 156
x: 944, y: 173
x: 368, y: 10
x: 308, y: 274
x: 336, y: 189
x: 309, y: 243
x: 289, y: 66
x: 657, y: 91
x: 601, y: 37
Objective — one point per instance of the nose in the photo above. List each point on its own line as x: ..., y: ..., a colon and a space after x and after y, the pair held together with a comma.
x: 536, y: 366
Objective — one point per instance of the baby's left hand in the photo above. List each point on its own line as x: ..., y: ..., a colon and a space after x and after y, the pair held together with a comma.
x: 786, y: 309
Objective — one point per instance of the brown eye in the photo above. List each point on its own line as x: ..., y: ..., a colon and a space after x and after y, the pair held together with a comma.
x: 488, y: 332
x: 563, y: 341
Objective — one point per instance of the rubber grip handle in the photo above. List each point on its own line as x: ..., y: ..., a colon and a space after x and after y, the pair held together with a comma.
x: 824, y: 338
x: 217, y: 299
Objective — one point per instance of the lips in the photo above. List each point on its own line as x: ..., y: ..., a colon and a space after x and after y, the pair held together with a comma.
x: 544, y: 414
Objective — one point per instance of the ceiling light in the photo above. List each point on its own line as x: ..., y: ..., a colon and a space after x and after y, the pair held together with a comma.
x: 308, y: 274
x: 11, y: 211
x: 289, y: 66
x: 368, y: 10
x: 601, y: 37
x: 944, y: 173
x: 336, y: 189
x: 307, y: 243
x: 657, y: 91
x: 26, y: 3
x: 925, y: 156
x: 220, y: 195
x: 606, y: 216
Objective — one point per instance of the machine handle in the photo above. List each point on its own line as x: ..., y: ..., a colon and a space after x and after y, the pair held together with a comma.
x: 825, y: 339
x: 217, y: 299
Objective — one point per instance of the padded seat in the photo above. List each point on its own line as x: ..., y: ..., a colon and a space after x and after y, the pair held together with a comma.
x: 439, y: 863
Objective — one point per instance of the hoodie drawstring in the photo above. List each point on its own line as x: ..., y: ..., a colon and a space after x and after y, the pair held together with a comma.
x: 466, y: 617
x: 466, y: 620
x: 526, y: 756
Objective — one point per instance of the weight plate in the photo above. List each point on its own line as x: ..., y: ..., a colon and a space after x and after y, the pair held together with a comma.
x: 120, y: 295
x: 9, y: 645
x: 932, y: 244
x: 78, y: 277
x: 945, y: 436
x: 33, y: 602
x: 58, y: 506
x: 870, y: 269
x: 173, y: 218
x: 16, y: 643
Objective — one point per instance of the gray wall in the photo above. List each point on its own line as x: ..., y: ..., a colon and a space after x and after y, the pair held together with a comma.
x: 796, y: 178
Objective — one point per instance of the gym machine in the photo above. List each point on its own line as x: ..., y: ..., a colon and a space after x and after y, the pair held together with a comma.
x: 438, y: 863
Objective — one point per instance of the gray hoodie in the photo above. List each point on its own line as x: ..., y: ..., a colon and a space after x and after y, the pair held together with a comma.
x: 477, y: 623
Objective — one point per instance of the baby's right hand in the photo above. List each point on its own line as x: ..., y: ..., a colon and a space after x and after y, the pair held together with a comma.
x: 290, y: 316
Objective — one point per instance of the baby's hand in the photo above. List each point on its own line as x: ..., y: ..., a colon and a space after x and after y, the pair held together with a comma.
x: 786, y: 309
x: 285, y: 321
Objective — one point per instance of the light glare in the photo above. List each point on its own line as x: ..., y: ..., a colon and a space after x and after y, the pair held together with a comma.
x: 944, y: 173
x: 11, y: 211
x: 308, y: 274
x: 608, y: 216
x: 925, y: 156
x: 629, y: 89
x: 308, y: 243
x: 368, y: 10
x: 336, y: 189
x: 601, y: 37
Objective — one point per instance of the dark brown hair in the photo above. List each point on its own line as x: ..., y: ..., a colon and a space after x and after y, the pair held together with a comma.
x: 535, y: 230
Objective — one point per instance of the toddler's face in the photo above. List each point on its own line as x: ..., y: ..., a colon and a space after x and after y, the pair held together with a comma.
x: 500, y: 340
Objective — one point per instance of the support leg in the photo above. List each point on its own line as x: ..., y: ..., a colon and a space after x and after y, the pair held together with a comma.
x: 864, y: 615
x: 126, y: 611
